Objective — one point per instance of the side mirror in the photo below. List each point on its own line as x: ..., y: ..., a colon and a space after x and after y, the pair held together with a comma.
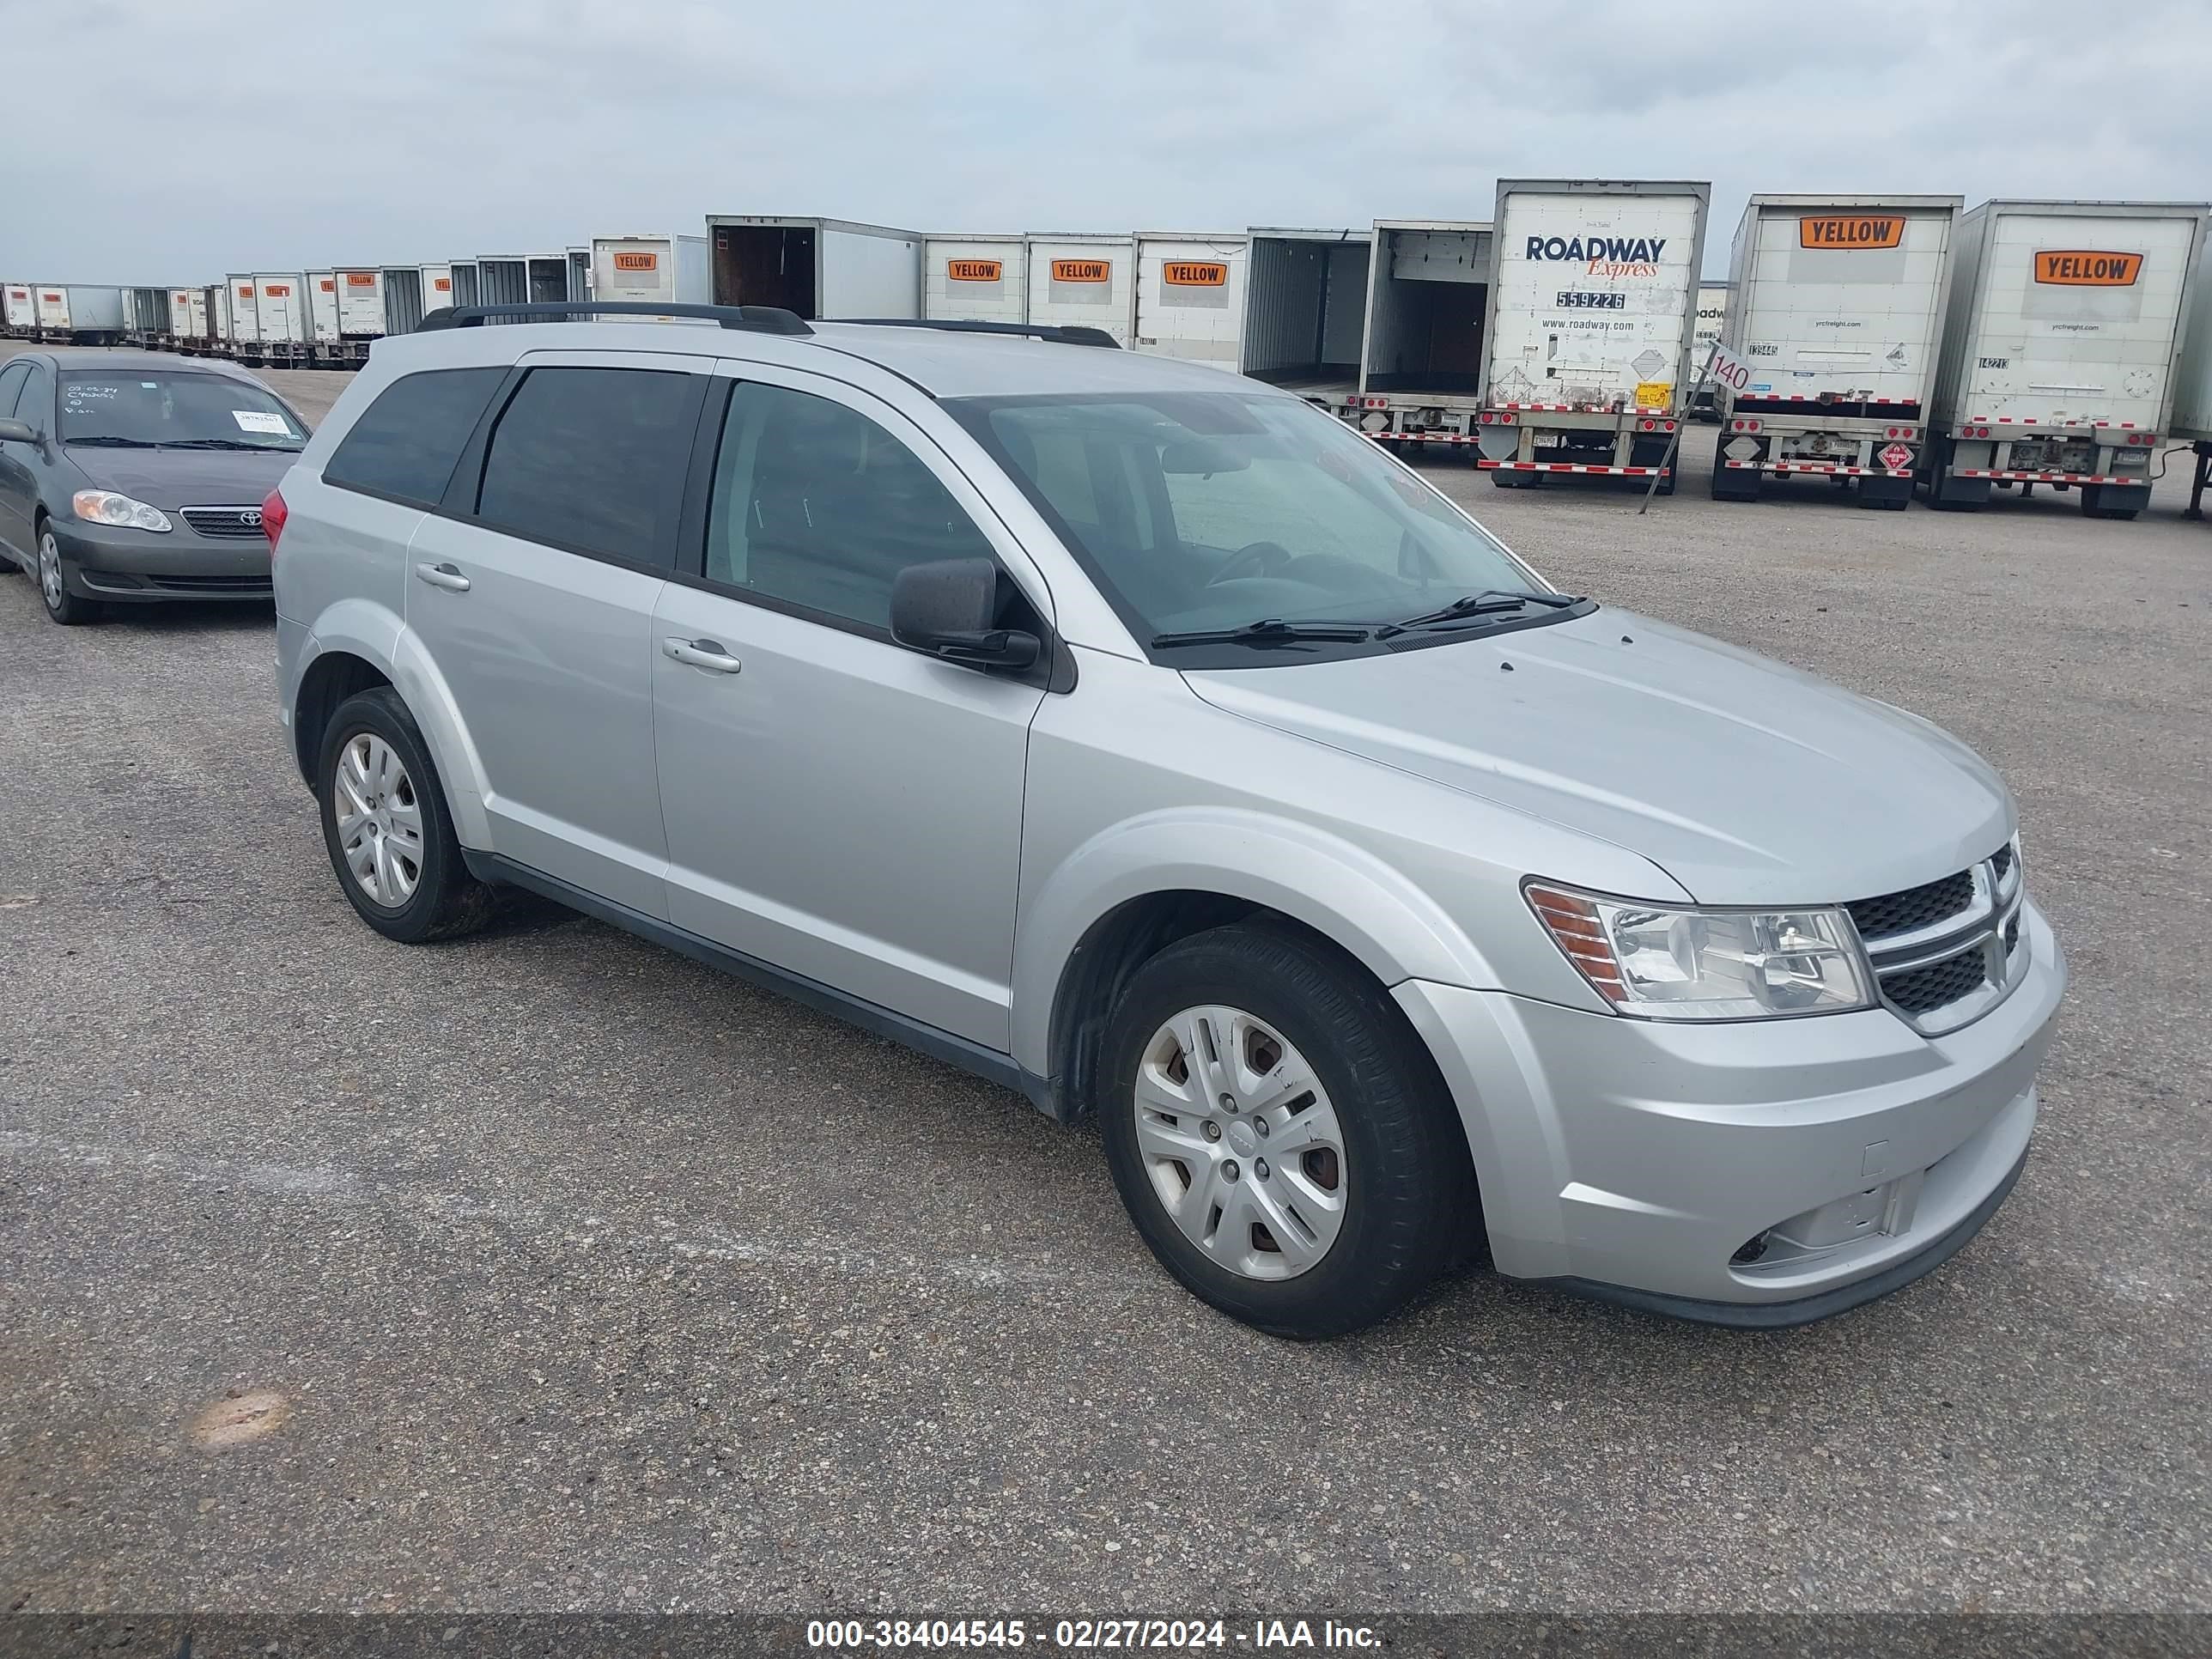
x: 17, y: 432
x: 950, y: 609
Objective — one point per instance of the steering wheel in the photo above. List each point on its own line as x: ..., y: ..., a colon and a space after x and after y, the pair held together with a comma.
x: 1262, y: 558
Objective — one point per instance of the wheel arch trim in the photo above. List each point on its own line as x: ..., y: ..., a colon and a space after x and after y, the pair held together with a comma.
x: 1344, y: 893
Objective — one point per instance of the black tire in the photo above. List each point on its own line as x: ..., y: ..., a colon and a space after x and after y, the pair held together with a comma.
x: 447, y: 900
x: 1411, y: 1209
x: 70, y: 609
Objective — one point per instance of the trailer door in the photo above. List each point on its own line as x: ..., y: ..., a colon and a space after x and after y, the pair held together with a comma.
x: 1190, y: 298
x: 1596, y: 299
x: 2079, y: 317
x: 1845, y: 304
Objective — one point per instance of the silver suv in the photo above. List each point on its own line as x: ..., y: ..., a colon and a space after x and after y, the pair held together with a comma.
x: 1139, y: 737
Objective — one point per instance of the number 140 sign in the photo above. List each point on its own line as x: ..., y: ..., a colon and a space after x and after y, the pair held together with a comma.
x: 1725, y: 368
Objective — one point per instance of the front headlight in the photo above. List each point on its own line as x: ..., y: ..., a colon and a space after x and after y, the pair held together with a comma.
x: 1659, y: 964
x: 106, y: 507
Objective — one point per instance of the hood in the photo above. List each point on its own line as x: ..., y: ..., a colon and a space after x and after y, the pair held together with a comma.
x: 1747, y: 781
x: 187, y: 477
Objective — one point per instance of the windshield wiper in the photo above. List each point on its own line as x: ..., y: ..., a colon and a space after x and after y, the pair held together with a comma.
x: 1491, y: 602
x: 105, y: 442
x: 218, y: 443
x: 1268, y: 630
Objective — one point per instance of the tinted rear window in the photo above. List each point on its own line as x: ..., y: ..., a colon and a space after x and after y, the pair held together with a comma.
x: 407, y: 443
x: 593, y: 460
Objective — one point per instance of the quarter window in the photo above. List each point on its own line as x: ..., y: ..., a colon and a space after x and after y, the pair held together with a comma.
x: 593, y: 460
x: 407, y: 443
x: 817, y: 505
x: 11, y: 387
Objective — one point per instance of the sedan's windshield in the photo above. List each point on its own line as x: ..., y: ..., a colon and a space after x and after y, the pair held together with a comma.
x: 1205, y: 512
x: 157, y: 408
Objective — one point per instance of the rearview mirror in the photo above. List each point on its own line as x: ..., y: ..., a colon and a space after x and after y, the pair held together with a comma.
x: 950, y: 609
x: 17, y: 432
x: 1184, y: 457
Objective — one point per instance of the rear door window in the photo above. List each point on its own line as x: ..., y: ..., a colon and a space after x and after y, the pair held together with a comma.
x: 593, y: 460
x: 406, y: 445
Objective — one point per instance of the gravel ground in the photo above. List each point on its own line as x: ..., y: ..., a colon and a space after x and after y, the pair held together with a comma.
x: 552, y: 1271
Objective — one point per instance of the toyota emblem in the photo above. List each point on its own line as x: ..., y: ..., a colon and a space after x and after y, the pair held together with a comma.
x: 251, y: 518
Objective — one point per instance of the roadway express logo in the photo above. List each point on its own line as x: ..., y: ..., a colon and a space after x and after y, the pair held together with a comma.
x: 2087, y: 268
x: 1869, y: 231
x: 1602, y: 256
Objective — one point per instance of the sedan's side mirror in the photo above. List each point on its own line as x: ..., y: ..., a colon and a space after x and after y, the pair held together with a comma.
x: 17, y: 432
x: 950, y: 609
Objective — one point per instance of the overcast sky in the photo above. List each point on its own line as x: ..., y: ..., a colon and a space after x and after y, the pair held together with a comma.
x: 172, y: 143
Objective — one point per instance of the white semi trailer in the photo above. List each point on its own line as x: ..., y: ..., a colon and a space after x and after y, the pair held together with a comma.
x: 651, y: 270
x: 817, y: 268
x: 1838, y: 309
x: 1420, y: 350
x: 78, y: 314
x: 1712, y: 316
x: 975, y: 277
x: 2059, y: 349
x: 1587, y: 350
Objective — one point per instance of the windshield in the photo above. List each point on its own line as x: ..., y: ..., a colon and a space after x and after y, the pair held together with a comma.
x: 144, y: 409
x: 1213, y: 511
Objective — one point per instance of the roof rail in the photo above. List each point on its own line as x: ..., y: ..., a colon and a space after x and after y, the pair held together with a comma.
x: 757, y: 320
x: 1080, y: 334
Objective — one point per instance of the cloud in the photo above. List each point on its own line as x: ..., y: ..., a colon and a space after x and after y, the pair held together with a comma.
x: 152, y: 143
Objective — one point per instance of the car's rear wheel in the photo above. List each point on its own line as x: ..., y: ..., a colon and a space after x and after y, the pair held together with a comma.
x: 1280, y: 1139
x: 385, y: 824
x: 68, y: 609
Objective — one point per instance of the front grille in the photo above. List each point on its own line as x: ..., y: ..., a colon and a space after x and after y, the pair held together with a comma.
x: 243, y: 587
x: 229, y: 522
x: 1913, y: 908
x: 1923, y: 990
x: 2001, y: 862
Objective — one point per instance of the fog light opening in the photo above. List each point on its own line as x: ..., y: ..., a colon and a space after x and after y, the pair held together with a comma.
x: 1749, y: 1251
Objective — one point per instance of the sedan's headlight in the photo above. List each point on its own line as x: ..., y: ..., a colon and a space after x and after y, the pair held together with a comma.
x: 106, y: 507
x: 1659, y: 963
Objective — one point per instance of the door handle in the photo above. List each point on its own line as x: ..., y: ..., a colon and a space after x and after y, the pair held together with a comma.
x: 701, y: 654
x: 445, y: 575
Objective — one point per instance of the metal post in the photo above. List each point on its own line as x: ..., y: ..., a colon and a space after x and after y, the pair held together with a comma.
x: 1674, y: 438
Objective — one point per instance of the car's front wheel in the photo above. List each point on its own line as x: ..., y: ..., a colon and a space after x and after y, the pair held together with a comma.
x: 64, y: 607
x: 1283, y: 1143
x: 386, y: 824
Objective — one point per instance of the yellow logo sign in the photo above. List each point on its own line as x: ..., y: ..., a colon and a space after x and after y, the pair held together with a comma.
x: 1851, y: 231
x: 2087, y: 268
x: 1195, y: 273
x: 978, y: 271
x: 637, y: 262
x: 1082, y: 270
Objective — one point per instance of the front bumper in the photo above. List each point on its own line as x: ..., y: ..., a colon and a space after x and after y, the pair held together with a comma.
x: 139, y: 566
x: 1636, y: 1160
